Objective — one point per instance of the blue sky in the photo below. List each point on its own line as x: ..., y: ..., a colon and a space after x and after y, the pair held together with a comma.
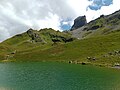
x: 98, y: 4
x: 17, y: 16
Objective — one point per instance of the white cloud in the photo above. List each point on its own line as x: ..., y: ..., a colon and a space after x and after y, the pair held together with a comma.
x: 17, y: 16
x: 3, y: 33
x: 65, y: 23
x: 79, y: 6
x: 52, y: 22
x: 105, y: 10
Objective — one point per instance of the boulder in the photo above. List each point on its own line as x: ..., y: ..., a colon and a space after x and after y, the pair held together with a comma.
x: 110, y: 53
x: 70, y: 61
x: 89, y: 58
x: 83, y: 63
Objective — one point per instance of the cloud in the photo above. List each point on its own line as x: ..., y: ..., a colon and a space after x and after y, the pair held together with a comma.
x: 97, y: 4
x: 66, y: 24
x: 3, y: 33
x: 105, y: 10
x: 17, y: 16
x: 79, y: 6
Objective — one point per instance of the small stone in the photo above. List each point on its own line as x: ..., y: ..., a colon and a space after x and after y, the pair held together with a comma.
x: 105, y: 55
x: 70, y: 62
x: 110, y: 53
x: 89, y: 58
x: 83, y: 63
x: 94, y: 59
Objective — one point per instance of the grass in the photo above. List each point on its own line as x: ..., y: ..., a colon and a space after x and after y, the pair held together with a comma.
x: 77, y: 50
x: 97, y: 47
x: 101, y: 26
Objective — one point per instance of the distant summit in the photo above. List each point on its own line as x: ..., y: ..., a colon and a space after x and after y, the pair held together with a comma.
x: 79, y: 22
x: 103, y: 25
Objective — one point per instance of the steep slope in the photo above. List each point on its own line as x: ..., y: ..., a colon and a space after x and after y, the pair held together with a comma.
x: 100, y: 26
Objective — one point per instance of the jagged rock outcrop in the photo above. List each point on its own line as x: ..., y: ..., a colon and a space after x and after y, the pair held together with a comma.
x: 60, y: 38
x: 49, y: 36
x: 79, y: 22
x: 34, y: 36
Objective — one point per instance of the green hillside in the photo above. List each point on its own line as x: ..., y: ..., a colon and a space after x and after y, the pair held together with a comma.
x: 97, y: 42
x: 100, y: 50
x: 33, y: 40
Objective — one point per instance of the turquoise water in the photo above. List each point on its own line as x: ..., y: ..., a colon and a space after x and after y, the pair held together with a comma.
x: 57, y: 76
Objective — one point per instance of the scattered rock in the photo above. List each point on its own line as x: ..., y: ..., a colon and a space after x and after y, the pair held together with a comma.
x: 83, y: 63
x: 117, y: 52
x: 7, y: 57
x: 91, y: 58
x: 95, y: 27
x: 56, y: 40
x: 110, y: 53
x: 13, y: 52
x: 117, y: 64
x: 94, y: 59
x: 35, y: 36
x: 68, y: 40
x: 70, y: 61
x: 105, y: 56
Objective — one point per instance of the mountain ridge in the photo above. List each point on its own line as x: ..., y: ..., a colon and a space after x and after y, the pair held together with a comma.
x: 100, y: 26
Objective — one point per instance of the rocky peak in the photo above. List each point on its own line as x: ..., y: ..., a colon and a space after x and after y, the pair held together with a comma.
x: 30, y: 32
x: 79, y: 22
x: 34, y: 35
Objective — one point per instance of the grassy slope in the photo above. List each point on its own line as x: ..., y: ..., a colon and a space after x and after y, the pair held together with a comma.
x: 23, y: 42
x: 79, y: 50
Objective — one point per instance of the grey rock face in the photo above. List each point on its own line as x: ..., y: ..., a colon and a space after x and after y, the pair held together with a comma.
x: 35, y: 36
x: 79, y: 22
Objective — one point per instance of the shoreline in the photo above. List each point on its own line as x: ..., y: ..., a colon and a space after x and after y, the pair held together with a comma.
x: 68, y: 62
x: 116, y: 67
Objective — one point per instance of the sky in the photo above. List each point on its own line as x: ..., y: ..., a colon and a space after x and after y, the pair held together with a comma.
x: 17, y: 16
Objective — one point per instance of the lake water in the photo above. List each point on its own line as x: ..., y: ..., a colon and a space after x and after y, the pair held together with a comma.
x: 57, y: 76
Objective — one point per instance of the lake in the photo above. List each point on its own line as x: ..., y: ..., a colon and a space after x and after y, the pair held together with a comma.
x: 57, y: 76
